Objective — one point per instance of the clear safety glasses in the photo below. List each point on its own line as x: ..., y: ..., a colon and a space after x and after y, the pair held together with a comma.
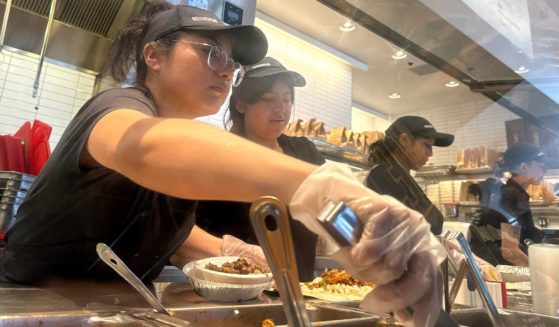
x: 218, y: 60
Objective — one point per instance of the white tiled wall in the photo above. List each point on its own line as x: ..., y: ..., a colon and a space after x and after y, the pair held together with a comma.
x: 326, y: 96
x: 61, y: 93
x: 365, y: 121
x: 473, y: 124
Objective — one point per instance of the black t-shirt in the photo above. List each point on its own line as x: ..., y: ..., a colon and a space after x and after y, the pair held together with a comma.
x: 390, y: 179
x: 517, y: 200
x: 514, y: 205
x: 69, y: 210
x: 224, y: 217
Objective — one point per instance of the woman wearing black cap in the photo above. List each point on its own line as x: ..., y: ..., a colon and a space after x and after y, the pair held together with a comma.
x: 132, y: 163
x: 407, y: 145
x: 128, y: 160
x: 259, y: 110
x: 505, y: 224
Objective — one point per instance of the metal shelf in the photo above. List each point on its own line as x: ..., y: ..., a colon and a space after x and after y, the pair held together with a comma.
x: 341, y: 154
x: 435, y: 171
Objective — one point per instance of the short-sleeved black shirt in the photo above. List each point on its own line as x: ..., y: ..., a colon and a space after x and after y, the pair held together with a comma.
x: 224, y: 217
x: 486, y: 228
x: 517, y: 200
x: 389, y: 178
x: 69, y: 210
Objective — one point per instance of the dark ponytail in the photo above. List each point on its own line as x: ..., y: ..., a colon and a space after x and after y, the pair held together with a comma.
x: 378, y: 152
x: 128, y: 46
x: 384, y: 150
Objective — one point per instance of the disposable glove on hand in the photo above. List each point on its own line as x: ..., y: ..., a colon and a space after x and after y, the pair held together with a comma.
x: 235, y: 247
x: 396, y: 249
x: 489, y: 272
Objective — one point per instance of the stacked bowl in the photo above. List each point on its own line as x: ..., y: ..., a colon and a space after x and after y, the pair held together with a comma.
x: 544, y: 278
x: 13, y: 187
x: 225, y: 287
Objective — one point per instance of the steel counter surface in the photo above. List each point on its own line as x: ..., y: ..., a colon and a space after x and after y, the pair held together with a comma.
x: 171, y: 288
x: 85, y: 303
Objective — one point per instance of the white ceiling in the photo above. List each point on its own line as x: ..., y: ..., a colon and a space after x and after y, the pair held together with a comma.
x: 385, y: 75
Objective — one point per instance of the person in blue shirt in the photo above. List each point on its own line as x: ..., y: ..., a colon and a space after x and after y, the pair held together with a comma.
x: 505, y: 224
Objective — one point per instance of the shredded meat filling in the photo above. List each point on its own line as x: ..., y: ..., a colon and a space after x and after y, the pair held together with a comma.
x: 240, y: 266
x: 335, y: 276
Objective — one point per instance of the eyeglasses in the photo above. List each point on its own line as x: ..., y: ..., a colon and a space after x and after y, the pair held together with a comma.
x: 218, y: 60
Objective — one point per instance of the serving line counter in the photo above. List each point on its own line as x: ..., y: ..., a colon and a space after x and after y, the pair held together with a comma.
x: 72, y: 303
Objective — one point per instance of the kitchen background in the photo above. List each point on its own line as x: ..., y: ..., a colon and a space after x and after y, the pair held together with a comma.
x: 328, y: 97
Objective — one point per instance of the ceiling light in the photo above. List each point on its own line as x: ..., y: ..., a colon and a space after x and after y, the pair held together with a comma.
x: 347, y: 26
x: 521, y: 70
x: 398, y: 55
x: 394, y: 95
x: 452, y: 84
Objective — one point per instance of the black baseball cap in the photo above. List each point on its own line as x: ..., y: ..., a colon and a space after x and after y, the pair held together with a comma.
x: 270, y: 66
x: 418, y: 126
x: 248, y: 42
x: 522, y: 152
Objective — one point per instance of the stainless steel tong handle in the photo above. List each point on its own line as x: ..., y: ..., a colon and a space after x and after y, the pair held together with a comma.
x: 271, y: 225
x: 111, y: 259
x: 480, y: 284
x: 138, y: 313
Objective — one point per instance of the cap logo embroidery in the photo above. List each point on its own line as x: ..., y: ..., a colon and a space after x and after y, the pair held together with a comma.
x: 427, y: 126
x: 204, y: 19
x: 261, y: 65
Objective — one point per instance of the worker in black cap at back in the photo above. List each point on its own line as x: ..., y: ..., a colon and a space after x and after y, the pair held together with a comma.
x: 407, y: 145
x: 510, y: 217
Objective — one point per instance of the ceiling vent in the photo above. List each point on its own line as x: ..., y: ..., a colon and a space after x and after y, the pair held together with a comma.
x: 94, y: 16
x: 82, y: 30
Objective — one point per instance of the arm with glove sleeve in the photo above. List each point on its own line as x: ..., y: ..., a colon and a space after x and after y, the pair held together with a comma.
x: 236, y: 247
x: 201, y: 244
x: 396, y: 250
x: 489, y: 272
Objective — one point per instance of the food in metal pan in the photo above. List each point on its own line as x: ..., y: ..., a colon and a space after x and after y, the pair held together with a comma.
x: 240, y: 266
x: 268, y: 323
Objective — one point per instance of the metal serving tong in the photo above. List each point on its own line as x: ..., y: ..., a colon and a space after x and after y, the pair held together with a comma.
x: 470, y: 266
x: 271, y: 225
x: 162, y: 315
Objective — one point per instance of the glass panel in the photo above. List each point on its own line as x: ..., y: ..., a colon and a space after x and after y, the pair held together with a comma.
x: 501, y: 48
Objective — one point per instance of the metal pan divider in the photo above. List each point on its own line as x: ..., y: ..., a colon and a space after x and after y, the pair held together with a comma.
x: 271, y: 225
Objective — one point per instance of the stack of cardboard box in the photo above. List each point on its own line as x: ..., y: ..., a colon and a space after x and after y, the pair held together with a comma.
x: 340, y: 135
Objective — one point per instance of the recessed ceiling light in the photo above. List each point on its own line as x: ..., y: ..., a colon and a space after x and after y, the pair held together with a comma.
x: 452, y: 84
x: 347, y: 26
x: 394, y: 95
x: 521, y: 70
x: 398, y: 55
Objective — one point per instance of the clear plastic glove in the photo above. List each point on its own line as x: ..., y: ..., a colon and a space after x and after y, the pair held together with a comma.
x: 396, y: 251
x: 489, y: 272
x: 235, y: 247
